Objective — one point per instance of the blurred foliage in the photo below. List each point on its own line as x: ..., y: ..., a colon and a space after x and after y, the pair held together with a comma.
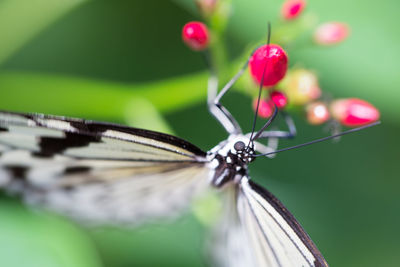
x: 22, y: 20
x: 101, y: 59
x: 37, y: 240
x: 75, y: 96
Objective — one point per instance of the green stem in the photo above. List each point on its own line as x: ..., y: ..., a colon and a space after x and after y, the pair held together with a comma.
x: 217, y: 23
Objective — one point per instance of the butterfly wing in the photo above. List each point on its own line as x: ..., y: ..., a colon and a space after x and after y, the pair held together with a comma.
x: 98, y: 172
x: 229, y: 246
x: 275, y: 237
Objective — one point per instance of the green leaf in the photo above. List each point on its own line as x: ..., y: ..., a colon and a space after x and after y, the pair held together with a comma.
x: 89, y: 98
x: 141, y: 113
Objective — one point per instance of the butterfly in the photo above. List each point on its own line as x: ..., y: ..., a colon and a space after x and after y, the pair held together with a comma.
x: 107, y: 173
x: 104, y: 173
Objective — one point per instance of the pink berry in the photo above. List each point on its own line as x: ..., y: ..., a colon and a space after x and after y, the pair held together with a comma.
x: 275, y: 64
x: 354, y: 112
x: 265, y: 108
x: 331, y: 33
x: 317, y: 113
x: 279, y: 99
x: 195, y: 35
x: 291, y: 9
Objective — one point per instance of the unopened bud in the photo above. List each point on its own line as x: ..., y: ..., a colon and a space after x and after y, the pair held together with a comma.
x: 301, y: 86
x: 317, y: 113
x: 331, y: 33
x: 353, y: 112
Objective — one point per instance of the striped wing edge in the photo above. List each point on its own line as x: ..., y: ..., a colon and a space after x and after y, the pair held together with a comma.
x: 254, y: 195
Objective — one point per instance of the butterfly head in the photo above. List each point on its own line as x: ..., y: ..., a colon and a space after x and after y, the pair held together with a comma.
x: 244, y: 152
x: 238, y: 147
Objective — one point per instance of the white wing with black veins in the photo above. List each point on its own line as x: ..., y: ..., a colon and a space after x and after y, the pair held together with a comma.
x: 258, y: 231
x: 102, y: 173
x: 276, y: 239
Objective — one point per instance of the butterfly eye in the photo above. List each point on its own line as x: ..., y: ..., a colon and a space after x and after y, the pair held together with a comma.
x: 239, y: 146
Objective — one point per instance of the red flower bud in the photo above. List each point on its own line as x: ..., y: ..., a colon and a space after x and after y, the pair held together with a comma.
x: 353, y: 112
x: 317, y: 113
x: 265, y: 108
x: 331, y: 33
x: 279, y: 99
x: 291, y: 9
x: 275, y: 64
x: 195, y: 35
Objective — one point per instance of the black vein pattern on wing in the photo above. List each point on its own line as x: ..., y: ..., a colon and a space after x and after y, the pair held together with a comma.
x: 48, y: 151
x: 76, y: 170
x: 50, y: 146
x: 17, y: 171
x: 280, y: 226
x: 260, y: 226
x: 83, y: 173
x: 289, y: 218
x: 92, y: 132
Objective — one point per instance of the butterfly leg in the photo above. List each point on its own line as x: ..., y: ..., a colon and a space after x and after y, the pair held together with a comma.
x: 282, y: 134
x: 214, y: 105
x: 271, y: 146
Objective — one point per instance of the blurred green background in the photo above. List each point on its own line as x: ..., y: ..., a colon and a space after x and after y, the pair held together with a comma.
x: 104, y: 59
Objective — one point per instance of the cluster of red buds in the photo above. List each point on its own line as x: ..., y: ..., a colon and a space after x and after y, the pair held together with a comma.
x: 294, y: 88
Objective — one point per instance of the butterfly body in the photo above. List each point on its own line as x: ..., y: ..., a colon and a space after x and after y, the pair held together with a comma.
x: 230, y: 160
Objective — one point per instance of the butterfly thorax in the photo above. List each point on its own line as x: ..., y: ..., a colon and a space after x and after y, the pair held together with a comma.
x: 230, y: 160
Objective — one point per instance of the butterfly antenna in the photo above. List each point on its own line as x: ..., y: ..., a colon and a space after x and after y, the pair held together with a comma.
x: 320, y: 140
x: 268, y: 123
x: 261, y: 85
